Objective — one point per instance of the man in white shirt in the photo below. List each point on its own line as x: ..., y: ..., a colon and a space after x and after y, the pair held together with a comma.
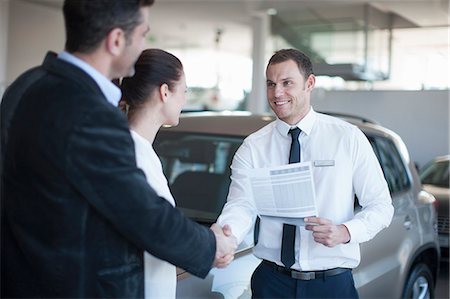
x: 325, y: 248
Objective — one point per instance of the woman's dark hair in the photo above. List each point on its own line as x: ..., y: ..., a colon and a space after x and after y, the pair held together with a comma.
x: 88, y: 22
x: 153, y: 68
x: 303, y: 62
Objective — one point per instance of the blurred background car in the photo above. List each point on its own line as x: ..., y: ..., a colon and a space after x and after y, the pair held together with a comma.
x: 402, y: 261
x: 435, y: 179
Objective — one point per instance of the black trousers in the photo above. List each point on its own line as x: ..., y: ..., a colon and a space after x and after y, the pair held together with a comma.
x: 267, y: 282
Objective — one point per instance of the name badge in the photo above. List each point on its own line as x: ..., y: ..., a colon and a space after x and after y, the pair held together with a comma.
x: 323, y: 163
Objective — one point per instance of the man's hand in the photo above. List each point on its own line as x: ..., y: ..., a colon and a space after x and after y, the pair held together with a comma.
x: 327, y: 233
x: 226, y: 245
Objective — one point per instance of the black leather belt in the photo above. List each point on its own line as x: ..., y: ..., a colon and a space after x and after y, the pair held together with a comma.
x: 306, y: 275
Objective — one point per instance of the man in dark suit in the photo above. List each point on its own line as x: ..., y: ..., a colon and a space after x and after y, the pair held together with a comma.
x: 77, y: 213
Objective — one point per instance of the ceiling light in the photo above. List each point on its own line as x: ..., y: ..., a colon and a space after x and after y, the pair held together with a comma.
x: 271, y: 11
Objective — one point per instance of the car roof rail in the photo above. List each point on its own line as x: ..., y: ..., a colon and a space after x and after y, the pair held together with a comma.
x: 350, y: 116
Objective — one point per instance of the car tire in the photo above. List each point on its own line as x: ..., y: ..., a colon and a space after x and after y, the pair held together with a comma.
x: 420, y: 283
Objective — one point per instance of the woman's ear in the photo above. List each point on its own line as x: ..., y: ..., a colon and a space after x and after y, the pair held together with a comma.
x: 164, y: 92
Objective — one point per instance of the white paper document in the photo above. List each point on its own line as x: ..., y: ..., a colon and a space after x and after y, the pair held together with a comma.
x: 284, y: 191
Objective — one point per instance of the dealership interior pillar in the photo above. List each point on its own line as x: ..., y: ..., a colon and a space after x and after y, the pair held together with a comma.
x: 260, y: 26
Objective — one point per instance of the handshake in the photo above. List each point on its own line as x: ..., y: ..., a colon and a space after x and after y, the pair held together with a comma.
x: 226, y: 244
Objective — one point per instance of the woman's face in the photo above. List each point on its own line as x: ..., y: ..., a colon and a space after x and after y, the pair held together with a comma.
x: 176, y: 101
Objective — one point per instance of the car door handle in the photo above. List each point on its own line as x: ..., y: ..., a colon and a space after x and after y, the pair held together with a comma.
x: 407, y: 223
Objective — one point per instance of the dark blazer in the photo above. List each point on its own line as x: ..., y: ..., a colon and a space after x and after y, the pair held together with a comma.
x: 77, y: 213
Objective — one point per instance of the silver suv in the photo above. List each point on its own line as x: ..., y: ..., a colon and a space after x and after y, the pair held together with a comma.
x: 435, y: 178
x: 400, y: 262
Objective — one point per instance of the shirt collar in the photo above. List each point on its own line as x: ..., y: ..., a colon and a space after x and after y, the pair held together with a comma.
x: 306, y: 124
x: 109, y: 89
x: 141, y: 139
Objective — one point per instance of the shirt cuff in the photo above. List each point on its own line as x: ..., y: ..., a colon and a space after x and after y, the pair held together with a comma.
x: 356, y: 229
x: 236, y: 229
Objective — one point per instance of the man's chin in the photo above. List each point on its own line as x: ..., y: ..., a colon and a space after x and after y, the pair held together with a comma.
x: 279, y: 112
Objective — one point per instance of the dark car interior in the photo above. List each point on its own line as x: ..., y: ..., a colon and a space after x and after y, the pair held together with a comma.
x: 197, y: 168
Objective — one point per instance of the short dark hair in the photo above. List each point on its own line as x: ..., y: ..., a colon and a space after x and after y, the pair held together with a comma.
x: 303, y: 62
x: 88, y: 22
x: 153, y: 68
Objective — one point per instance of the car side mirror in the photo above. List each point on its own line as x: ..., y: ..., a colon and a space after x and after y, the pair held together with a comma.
x: 426, y: 198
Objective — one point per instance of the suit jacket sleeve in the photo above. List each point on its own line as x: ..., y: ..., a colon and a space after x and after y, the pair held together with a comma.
x: 101, y: 163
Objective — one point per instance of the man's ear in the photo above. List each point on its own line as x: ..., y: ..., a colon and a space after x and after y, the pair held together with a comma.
x: 164, y: 92
x: 310, y: 82
x: 115, y: 41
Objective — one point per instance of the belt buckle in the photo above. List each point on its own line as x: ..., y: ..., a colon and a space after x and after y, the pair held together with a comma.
x: 303, y: 276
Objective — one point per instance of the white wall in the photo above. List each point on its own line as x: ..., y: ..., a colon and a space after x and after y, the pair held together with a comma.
x: 33, y: 30
x: 4, y: 13
x: 421, y: 118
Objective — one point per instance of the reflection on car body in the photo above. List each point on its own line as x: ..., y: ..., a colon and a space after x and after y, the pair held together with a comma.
x: 435, y: 180
x: 400, y: 262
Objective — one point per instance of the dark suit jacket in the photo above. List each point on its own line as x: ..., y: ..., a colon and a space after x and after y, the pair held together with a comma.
x: 76, y: 211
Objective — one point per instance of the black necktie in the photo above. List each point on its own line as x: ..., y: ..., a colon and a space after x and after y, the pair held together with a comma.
x: 294, y: 156
x: 288, y: 241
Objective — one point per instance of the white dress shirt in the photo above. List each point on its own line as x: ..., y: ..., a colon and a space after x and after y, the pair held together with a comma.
x: 355, y: 171
x: 160, y: 276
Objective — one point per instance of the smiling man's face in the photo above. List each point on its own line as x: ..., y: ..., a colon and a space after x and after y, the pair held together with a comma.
x: 288, y: 92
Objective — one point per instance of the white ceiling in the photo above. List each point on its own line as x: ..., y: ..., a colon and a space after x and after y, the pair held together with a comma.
x: 195, y: 23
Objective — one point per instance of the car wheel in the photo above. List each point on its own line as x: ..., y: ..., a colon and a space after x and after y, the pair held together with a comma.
x: 420, y: 283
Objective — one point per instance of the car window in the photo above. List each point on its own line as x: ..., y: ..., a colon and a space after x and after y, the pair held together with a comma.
x: 436, y: 173
x: 198, y: 171
x: 390, y: 160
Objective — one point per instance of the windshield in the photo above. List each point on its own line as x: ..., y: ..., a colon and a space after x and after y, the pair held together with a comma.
x: 436, y: 173
x: 197, y: 169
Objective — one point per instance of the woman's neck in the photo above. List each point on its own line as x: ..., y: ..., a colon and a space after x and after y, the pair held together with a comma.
x: 146, y: 123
